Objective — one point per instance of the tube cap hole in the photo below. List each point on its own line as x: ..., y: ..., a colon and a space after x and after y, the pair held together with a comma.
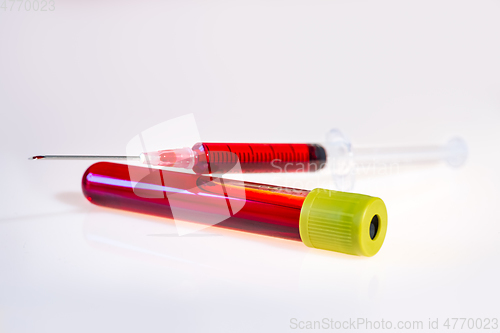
x: 374, y: 227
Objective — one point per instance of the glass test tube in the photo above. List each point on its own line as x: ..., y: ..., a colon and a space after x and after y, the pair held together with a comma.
x: 337, y: 221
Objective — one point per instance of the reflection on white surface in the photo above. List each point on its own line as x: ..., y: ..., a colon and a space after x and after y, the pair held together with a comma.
x: 129, y: 247
x: 130, y: 236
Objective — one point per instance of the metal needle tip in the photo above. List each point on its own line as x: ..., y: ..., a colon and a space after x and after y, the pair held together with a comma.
x: 83, y: 157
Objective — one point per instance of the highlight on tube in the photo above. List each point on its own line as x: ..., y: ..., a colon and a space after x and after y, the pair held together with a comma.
x: 182, y: 132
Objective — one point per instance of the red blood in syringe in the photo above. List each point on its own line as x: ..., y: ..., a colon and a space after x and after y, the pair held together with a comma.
x: 209, y: 158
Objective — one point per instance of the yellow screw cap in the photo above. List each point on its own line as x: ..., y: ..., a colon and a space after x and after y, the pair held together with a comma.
x: 343, y: 222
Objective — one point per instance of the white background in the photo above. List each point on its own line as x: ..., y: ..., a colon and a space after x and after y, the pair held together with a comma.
x: 90, y: 75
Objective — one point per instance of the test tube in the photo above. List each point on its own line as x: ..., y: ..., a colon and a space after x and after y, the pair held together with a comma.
x: 331, y: 220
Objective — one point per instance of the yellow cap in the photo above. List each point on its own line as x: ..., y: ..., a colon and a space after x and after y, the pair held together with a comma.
x: 343, y: 222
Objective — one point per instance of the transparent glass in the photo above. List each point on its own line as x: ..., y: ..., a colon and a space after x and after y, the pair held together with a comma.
x: 263, y: 209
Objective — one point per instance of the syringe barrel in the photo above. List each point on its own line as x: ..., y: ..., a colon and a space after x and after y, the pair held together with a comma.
x: 343, y: 222
x: 258, y: 157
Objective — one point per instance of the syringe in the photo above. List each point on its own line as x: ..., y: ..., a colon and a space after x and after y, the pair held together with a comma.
x: 343, y: 159
x: 206, y: 158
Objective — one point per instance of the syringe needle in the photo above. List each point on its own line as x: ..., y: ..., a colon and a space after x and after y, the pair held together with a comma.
x: 83, y: 157
x: 178, y: 158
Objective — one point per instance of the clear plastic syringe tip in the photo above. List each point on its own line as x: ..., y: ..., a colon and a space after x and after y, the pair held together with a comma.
x: 175, y: 158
